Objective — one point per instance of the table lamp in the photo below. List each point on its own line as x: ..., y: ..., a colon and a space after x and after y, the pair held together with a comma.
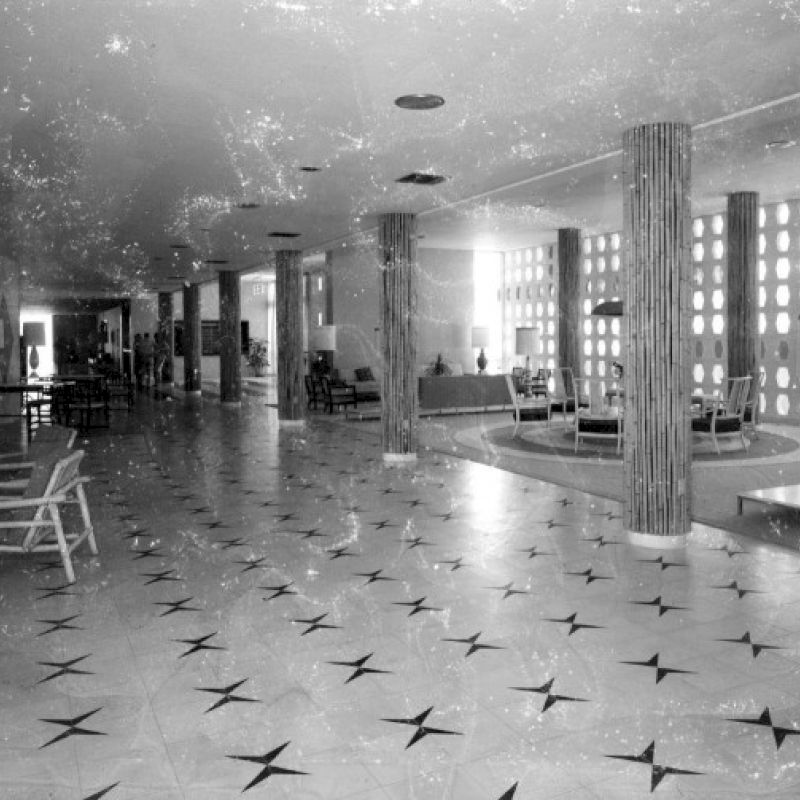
x: 33, y: 334
x: 322, y: 340
x: 480, y: 339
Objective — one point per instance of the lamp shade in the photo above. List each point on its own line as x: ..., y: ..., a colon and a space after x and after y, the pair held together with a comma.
x: 323, y: 337
x: 526, y: 341
x: 33, y: 333
x: 608, y: 308
x: 480, y: 337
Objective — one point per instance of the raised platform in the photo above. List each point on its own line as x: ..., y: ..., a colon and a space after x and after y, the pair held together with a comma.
x: 784, y: 496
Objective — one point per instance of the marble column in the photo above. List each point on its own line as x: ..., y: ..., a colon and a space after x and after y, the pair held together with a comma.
x: 569, y: 298
x: 192, y: 340
x: 230, y: 331
x: 165, y: 331
x: 398, y: 303
x: 289, y: 323
x: 742, y: 296
x: 10, y: 277
x: 657, y: 249
x: 125, y: 335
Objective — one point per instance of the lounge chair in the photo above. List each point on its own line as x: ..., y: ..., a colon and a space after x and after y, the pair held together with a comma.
x: 599, y: 420
x: 726, y: 417
x: 540, y: 403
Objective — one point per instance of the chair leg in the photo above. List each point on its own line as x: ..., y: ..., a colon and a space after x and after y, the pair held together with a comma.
x: 88, y: 529
x: 63, y: 547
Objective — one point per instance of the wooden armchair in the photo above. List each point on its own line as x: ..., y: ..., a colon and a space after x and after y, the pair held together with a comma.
x: 726, y: 418
x: 336, y: 393
x: 32, y: 523
x: 752, y: 407
x: 562, y: 391
x: 540, y: 403
x: 599, y: 420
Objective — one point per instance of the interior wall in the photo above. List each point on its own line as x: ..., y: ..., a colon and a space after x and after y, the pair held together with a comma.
x: 445, y: 308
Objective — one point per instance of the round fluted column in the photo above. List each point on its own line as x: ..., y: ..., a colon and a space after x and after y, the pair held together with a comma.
x: 230, y: 334
x: 192, y: 339
x: 657, y: 228
x: 289, y: 317
x: 569, y: 298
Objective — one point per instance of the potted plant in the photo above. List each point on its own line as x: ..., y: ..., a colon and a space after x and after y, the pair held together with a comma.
x: 258, y: 356
x: 438, y: 367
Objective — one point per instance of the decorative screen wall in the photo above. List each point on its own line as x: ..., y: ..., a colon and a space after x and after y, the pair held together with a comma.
x: 530, y: 299
x: 602, y: 337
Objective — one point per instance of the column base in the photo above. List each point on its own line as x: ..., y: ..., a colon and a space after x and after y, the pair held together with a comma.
x: 399, y: 458
x: 655, y: 542
x: 292, y: 424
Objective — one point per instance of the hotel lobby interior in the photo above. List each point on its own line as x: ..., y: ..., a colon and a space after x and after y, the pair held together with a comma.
x: 403, y: 598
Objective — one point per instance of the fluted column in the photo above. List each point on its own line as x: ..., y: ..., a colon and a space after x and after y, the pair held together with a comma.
x: 742, y: 296
x: 192, y: 339
x: 569, y: 298
x: 398, y: 299
x: 230, y: 333
x: 657, y: 228
x: 289, y: 314
x: 9, y: 334
x: 165, y: 331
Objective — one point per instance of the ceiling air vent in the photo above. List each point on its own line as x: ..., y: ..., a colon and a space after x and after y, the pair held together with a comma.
x: 283, y: 235
x: 179, y: 246
x: 216, y: 261
x: 248, y: 206
x: 421, y: 178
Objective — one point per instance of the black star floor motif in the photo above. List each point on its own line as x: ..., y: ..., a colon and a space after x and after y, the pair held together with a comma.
x: 158, y: 577
x: 766, y: 721
x: 64, y: 668
x: 509, y: 793
x: 734, y: 586
x: 312, y: 533
x: 56, y: 591
x: 373, y: 576
x: 102, y: 792
x: 215, y: 525
x: 384, y: 523
x: 227, y: 544
x: 228, y: 695
x: 176, y: 605
x: 456, y: 563
x: 729, y: 552
x: 660, y: 560
x: 756, y: 648
x: 590, y: 576
x: 474, y: 645
x: 340, y: 552
x: 508, y: 590
x: 359, y: 668
x: 315, y: 624
x: 152, y: 552
x: 268, y: 767
x: 136, y: 534
x: 661, y: 672
x: 550, y: 698
x: 198, y: 644
x: 278, y: 591
x: 656, y: 603
x: 533, y: 551
x: 416, y: 541
x: 253, y: 563
x: 600, y: 541
x: 60, y: 625
x: 551, y: 523
x: 421, y: 729
x: 416, y: 606
x: 72, y: 727
x: 285, y: 517
x: 657, y: 772
x: 48, y: 565
x: 573, y: 625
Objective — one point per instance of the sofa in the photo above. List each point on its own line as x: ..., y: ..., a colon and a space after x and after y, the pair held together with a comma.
x: 367, y: 388
x: 453, y: 394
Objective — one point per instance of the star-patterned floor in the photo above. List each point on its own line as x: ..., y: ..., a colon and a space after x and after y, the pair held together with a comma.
x: 278, y: 614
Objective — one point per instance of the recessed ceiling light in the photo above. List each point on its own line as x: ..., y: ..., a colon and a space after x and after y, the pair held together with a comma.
x: 421, y: 178
x: 176, y: 277
x: 158, y: 258
x: 217, y: 261
x: 419, y: 102
x: 206, y: 230
x: 780, y: 144
x: 310, y: 169
x: 179, y: 246
x: 283, y: 235
x: 248, y: 206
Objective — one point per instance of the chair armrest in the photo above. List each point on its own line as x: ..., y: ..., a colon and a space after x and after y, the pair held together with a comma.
x: 32, y: 502
x: 11, y: 467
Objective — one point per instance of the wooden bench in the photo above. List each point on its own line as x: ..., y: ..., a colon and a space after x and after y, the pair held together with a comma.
x: 785, y: 496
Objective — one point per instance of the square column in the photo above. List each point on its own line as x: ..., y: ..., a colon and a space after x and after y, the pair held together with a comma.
x: 289, y: 313
x: 657, y: 238
x: 398, y: 298
x: 230, y: 331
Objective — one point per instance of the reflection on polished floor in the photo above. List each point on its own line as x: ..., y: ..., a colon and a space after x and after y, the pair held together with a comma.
x: 277, y: 614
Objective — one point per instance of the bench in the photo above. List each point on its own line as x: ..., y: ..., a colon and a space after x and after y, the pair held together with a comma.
x: 785, y: 496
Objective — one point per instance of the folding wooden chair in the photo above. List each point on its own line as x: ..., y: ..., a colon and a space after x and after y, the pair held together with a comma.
x: 32, y: 523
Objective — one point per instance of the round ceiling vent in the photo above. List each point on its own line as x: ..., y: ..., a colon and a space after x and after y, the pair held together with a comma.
x: 419, y: 102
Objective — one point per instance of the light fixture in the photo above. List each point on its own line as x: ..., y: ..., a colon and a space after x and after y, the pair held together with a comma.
x: 419, y: 102
x: 33, y: 334
x: 310, y: 169
x: 480, y: 339
x: 217, y: 261
x: 283, y: 235
x: 322, y: 341
x: 525, y: 345
x: 780, y: 144
x: 248, y: 206
x: 179, y: 246
x: 608, y: 308
x: 422, y: 178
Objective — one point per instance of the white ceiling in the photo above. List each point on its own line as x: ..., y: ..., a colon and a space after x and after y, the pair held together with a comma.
x: 130, y: 125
